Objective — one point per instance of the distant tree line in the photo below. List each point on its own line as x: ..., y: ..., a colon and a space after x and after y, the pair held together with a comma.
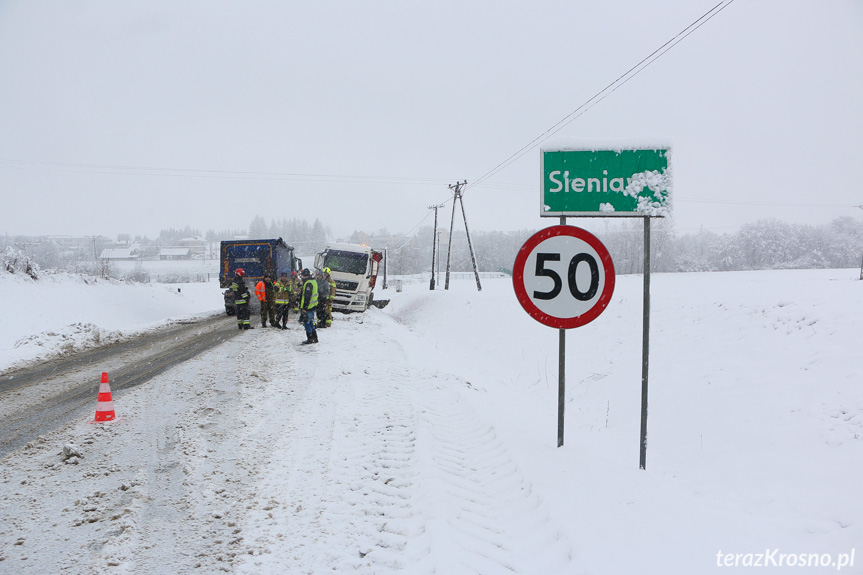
x: 765, y: 244
x: 308, y: 239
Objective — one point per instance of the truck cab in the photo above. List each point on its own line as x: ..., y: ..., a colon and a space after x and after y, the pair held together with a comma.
x: 354, y: 268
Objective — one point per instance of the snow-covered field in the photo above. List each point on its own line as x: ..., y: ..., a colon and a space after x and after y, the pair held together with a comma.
x: 421, y: 438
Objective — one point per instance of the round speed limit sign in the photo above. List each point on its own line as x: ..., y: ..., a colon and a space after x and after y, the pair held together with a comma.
x: 563, y: 277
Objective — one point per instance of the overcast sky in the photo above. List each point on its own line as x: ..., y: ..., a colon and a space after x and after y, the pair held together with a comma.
x: 135, y: 116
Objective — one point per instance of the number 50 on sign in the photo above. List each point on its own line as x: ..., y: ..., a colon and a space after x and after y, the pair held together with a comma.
x: 563, y: 277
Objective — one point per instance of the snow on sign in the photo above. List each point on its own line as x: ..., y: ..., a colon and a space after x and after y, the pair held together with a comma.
x: 563, y: 277
x: 624, y: 182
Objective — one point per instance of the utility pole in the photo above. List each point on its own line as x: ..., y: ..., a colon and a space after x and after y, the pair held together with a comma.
x: 434, y: 243
x: 94, y: 238
x: 457, y: 197
x: 439, y: 232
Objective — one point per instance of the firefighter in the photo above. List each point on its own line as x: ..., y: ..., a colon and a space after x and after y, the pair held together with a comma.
x: 241, y: 299
x: 308, y: 304
x: 282, y: 289
x: 323, y: 292
x: 326, y: 306
x: 296, y: 287
x: 265, y: 293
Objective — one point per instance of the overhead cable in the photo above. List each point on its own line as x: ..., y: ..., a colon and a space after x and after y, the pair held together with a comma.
x: 605, y: 92
x: 223, y: 174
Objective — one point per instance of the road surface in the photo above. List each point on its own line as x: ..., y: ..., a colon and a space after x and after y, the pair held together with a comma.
x: 42, y: 397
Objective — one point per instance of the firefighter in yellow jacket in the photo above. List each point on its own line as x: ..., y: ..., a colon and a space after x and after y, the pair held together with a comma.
x: 308, y: 305
x: 326, y: 315
x: 296, y: 286
x: 282, y: 290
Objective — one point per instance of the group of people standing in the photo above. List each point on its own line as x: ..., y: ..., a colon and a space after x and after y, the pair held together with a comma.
x: 304, y: 294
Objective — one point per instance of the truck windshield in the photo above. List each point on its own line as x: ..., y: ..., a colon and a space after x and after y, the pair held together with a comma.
x: 347, y: 262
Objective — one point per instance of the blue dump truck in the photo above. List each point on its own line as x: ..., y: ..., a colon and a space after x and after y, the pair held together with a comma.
x: 257, y: 258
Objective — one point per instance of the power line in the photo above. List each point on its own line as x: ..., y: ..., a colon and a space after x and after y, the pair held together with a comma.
x: 756, y: 203
x: 608, y: 90
x: 219, y: 174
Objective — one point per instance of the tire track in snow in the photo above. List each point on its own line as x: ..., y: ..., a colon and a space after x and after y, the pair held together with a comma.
x: 337, y: 488
x: 383, y: 469
x: 374, y: 457
x: 283, y: 522
x: 477, y: 494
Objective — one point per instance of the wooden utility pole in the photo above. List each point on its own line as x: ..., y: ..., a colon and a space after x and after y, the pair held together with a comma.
x: 94, y: 238
x: 439, y: 232
x: 434, y: 243
x: 457, y: 197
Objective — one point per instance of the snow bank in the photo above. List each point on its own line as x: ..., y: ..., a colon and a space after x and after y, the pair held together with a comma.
x: 62, y: 312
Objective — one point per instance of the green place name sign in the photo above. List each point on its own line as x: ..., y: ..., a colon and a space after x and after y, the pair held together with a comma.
x: 605, y: 183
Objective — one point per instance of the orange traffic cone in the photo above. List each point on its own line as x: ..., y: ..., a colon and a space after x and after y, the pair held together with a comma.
x: 105, y: 405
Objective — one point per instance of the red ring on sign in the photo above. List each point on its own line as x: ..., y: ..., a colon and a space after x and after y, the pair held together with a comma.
x: 525, y: 300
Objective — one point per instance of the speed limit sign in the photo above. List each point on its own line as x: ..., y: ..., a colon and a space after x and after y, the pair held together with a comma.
x: 563, y: 277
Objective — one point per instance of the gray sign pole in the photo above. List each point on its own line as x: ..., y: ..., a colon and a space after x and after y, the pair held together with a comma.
x: 561, y: 384
x: 561, y: 374
x: 645, y: 344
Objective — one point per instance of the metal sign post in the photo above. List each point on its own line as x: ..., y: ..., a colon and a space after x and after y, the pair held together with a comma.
x: 561, y: 383
x: 561, y: 375
x: 645, y: 346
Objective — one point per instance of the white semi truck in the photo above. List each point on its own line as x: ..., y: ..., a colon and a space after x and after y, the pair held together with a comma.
x: 354, y: 268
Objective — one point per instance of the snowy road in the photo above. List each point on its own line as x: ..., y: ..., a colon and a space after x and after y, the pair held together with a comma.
x: 65, y: 384
x: 263, y: 454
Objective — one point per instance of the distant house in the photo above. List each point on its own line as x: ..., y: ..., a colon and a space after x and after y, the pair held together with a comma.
x: 117, y: 254
x: 175, y: 254
x: 196, y: 246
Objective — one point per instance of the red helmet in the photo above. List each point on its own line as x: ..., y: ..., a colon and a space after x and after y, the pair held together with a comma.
x: 240, y: 272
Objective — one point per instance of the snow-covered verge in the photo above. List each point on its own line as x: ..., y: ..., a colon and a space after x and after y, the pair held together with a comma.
x: 60, y: 313
x: 421, y: 438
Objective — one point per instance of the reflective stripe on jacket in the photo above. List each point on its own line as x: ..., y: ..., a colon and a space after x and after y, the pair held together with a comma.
x: 310, y: 295
x: 283, y: 292
x: 261, y: 291
x: 240, y: 293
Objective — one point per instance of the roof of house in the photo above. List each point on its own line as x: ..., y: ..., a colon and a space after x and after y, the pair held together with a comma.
x: 117, y: 254
x: 174, y: 252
